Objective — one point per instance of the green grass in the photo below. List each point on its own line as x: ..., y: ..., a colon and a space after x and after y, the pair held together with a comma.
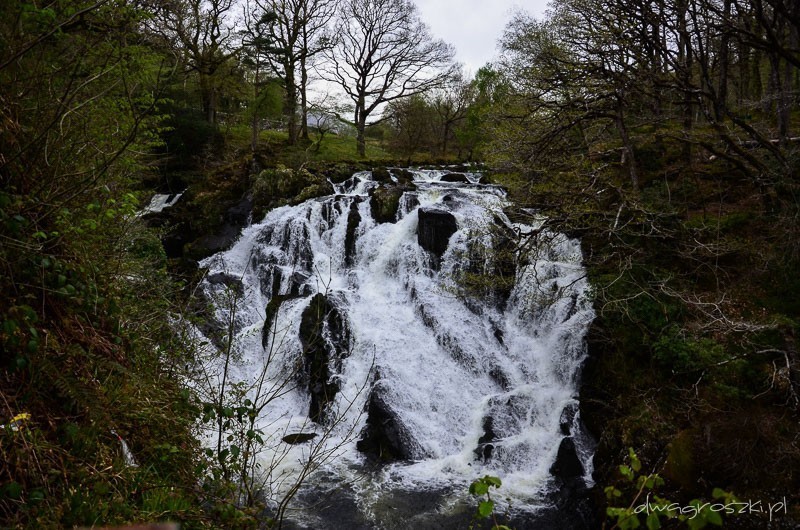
x: 334, y: 148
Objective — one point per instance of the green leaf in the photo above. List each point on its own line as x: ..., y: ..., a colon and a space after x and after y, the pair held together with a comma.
x: 713, y: 517
x: 485, y: 508
x: 696, y: 523
x: 653, y: 523
x: 492, y: 481
x: 36, y: 496
x: 12, y: 490
x: 478, y: 488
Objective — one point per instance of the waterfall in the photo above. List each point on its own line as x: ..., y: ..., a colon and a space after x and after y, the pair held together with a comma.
x: 425, y: 348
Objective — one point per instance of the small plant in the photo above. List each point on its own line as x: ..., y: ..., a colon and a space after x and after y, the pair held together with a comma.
x: 486, y: 506
x: 696, y: 514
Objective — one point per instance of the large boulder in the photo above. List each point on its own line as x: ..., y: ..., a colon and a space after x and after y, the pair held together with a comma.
x: 454, y: 177
x: 384, y: 437
x: 384, y: 202
x: 567, y: 466
x: 570, y: 495
x: 434, y: 229
x: 381, y: 174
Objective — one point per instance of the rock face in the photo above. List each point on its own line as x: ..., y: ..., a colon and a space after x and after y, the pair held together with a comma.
x: 434, y: 229
x: 384, y: 437
x: 324, y: 336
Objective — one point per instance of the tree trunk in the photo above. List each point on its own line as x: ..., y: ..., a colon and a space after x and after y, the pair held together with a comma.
x: 361, y: 126
x: 290, y: 111
x: 722, y: 86
x: 209, y: 98
x: 685, y: 63
x: 361, y: 142
x: 444, y: 139
x: 628, y: 155
x: 303, y: 100
x: 254, y: 120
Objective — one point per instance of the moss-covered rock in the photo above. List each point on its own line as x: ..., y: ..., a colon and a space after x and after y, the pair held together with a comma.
x: 281, y: 185
x: 384, y: 202
x: 381, y: 174
x: 680, y: 464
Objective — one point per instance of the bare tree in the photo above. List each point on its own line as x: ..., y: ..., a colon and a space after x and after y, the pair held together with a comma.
x: 451, y: 103
x: 298, y: 35
x: 382, y: 52
x: 205, y: 35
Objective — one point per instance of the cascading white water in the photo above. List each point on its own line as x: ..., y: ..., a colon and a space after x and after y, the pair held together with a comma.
x: 468, y: 386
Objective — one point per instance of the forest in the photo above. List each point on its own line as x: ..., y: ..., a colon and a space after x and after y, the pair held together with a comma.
x: 660, y: 134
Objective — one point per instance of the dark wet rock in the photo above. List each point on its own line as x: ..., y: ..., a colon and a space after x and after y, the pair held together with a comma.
x: 567, y: 465
x: 297, y: 283
x: 485, y: 445
x: 498, y: 334
x: 234, y: 219
x: 299, y: 438
x: 409, y: 200
x: 499, y: 376
x: 403, y: 176
x: 228, y: 280
x: 298, y: 252
x: 434, y: 229
x: 570, y: 495
x: 332, y: 504
x: 273, y: 306
x: 325, y: 339
x: 454, y: 177
x: 177, y: 232
x: 568, y: 418
x: 353, y: 220
x: 384, y: 437
x: 381, y: 174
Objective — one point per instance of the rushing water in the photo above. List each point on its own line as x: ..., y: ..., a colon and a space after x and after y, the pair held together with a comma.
x: 426, y: 385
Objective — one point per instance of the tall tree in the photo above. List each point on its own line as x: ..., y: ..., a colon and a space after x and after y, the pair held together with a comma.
x: 256, y: 46
x: 451, y: 103
x: 298, y: 32
x: 382, y: 52
x: 204, y: 34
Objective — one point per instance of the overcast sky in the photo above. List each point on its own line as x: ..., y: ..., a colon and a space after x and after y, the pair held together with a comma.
x: 474, y: 26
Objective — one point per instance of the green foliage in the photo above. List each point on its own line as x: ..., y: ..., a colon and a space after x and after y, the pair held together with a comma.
x: 486, y: 507
x: 651, y: 510
x: 674, y: 351
x: 84, y: 320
